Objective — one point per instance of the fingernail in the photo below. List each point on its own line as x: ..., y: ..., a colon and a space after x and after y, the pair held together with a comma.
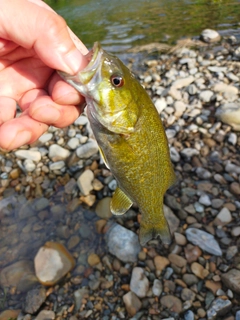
x: 75, y: 61
x: 22, y: 138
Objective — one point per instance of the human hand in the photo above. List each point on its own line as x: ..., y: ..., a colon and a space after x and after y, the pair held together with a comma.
x: 34, y: 42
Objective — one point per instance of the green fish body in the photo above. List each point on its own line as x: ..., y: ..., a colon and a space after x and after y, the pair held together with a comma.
x: 131, y: 139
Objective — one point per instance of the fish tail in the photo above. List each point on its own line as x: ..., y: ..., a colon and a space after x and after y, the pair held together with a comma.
x: 149, y: 231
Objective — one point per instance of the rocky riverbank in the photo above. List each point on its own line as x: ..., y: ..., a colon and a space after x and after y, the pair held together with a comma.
x: 62, y: 254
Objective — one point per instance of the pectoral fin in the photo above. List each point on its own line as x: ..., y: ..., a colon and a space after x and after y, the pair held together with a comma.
x: 120, y: 202
x: 149, y: 231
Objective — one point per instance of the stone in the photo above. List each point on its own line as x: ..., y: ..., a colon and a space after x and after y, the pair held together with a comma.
x: 235, y: 188
x: 206, y: 95
x: 52, y: 262
x: 202, y: 173
x: 192, y: 253
x: 29, y: 165
x: 223, y: 218
x: 79, y: 295
x: 160, y: 104
x: 172, y: 303
x: 177, y: 260
x: 28, y: 154
x: 88, y: 149
x: 139, y: 283
x: 103, y: 208
x: 187, y: 295
x: 174, y: 154
x: 218, y: 308
x: 228, y: 91
x: 58, y: 153
x: 205, y: 200
x: 232, y: 138
x: 34, y: 300
x: 45, y: 138
x: 40, y: 204
x: 81, y: 121
x: 58, y: 165
x: 122, y: 243
x: 180, y: 239
x: 172, y: 220
x: 132, y: 303
x: 209, y: 36
x: 19, y: 274
x: 188, y: 153
x: 93, y: 259
x: 183, y: 82
x: 161, y: 263
x: 45, y: 315
x: 73, y: 143
x: 231, y: 279
x: 180, y: 108
x: 204, y: 240
x: 199, y: 270
x: 229, y: 113
x: 236, y: 231
x: 189, y: 315
x: 157, y: 288
x: 9, y: 314
x: 84, y: 182
x: 214, y: 286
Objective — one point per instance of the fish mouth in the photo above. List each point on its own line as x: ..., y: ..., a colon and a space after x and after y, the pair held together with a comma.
x: 84, y: 76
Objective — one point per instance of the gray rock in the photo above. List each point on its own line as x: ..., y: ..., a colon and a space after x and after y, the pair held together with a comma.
x: 231, y: 279
x: 57, y: 153
x: 232, y: 168
x: 189, y: 152
x: 45, y: 138
x: 209, y: 35
x: 206, y: 95
x: 232, y: 138
x: 139, y: 283
x: 160, y: 104
x: 40, y: 204
x: 73, y: 143
x: 78, y: 297
x: 218, y: 308
x: 175, y: 156
x: 81, y: 121
x: 29, y: 165
x: 205, y: 200
x: 34, y: 300
x: 28, y: 154
x: 84, y: 182
x: 45, y: 315
x: 157, y: 287
x: 203, y: 173
x: 224, y: 217
x: 189, y: 315
x: 88, y: 149
x: 170, y: 133
x: 172, y: 220
x: 122, y: 243
x: 237, y: 317
x: 57, y: 165
x: 204, y: 240
x: 192, y: 89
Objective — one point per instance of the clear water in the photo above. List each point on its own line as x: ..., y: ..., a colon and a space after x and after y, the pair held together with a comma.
x: 119, y: 25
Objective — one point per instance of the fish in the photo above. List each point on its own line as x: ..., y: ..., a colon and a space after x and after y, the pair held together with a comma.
x: 131, y: 139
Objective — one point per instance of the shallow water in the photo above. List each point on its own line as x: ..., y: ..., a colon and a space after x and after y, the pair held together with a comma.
x: 120, y: 25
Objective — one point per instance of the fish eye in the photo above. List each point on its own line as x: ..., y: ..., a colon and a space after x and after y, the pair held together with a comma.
x: 117, y: 81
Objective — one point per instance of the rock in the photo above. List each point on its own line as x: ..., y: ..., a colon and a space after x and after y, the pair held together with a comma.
x: 84, y: 182
x: 214, y: 286
x: 87, y: 150
x: 157, y: 287
x: 203, y: 173
x: 29, y: 165
x: 224, y: 217
x: 218, y: 308
x: 58, y: 153
x: 9, y: 314
x: 45, y: 138
x: 205, y: 200
x: 132, y: 303
x: 34, y: 300
x: 232, y: 138
x: 19, y: 274
x: 175, y: 156
x: 235, y: 188
x: 52, y: 262
x: 93, y: 259
x: 81, y: 121
x: 73, y: 143
x: 192, y: 253
x: 229, y: 113
x: 172, y: 303
x: 180, y: 239
x: 180, y: 108
x: 28, y: 154
x: 160, y: 104
x: 189, y: 315
x: 231, y: 279
x: 177, y: 260
x: 206, y: 95
x: 183, y: 82
x: 172, y: 220
x: 209, y: 36
x: 45, y: 315
x: 199, y: 270
x: 161, y: 263
x: 79, y: 295
x: 236, y: 231
x: 40, y: 204
x: 103, y: 208
x: 188, y: 153
x: 229, y: 92
x: 204, y: 240
x: 139, y: 283
x: 187, y: 295
x: 58, y: 165
x: 237, y: 315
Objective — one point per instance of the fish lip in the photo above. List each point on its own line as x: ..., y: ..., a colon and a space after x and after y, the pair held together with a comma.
x: 84, y: 76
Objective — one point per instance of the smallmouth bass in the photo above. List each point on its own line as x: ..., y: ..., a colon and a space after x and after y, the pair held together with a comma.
x: 131, y: 139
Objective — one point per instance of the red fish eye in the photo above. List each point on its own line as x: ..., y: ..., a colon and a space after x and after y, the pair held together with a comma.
x: 117, y: 81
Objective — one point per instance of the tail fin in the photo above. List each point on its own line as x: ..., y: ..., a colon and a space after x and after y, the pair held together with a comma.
x: 149, y: 231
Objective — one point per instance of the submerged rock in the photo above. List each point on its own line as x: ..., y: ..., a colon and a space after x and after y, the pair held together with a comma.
x: 34, y: 300
x: 204, y: 240
x: 123, y: 243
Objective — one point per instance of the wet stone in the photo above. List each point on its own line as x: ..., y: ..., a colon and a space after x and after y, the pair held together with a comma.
x: 218, y: 308
x: 103, y: 208
x: 132, y: 303
x: 57, y: 153
x: 84, y: 182
x: 231, y: 279
x: 34, y: 300
x: 139, y: 283
x: 204, y: 240
x: 157, y: 287
x: 172, y: 303
x: 87, y: 150
x: 122, y: 243
x: 224, y: 217
x: 45, y: 315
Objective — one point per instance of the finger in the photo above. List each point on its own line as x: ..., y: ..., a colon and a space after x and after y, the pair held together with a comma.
x: 20, y: 131
x: 45, y: 31
x: 63, y: 93
x: 7, y: 109
x: 45, y: 110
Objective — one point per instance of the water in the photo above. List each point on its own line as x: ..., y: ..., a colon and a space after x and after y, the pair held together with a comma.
x: 120, y: 25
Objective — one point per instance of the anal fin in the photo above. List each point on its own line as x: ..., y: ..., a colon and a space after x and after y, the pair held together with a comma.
x: 120, y: 202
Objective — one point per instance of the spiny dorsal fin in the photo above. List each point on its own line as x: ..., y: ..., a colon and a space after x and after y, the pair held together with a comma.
x: 120, y: 202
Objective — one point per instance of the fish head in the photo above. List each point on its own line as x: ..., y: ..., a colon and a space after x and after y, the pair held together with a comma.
x: 110, y: 89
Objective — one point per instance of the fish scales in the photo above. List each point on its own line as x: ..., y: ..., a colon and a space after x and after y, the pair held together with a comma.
x: 131, y: 138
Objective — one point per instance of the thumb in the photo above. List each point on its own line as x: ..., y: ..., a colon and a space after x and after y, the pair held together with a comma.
x: 43, y: 31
